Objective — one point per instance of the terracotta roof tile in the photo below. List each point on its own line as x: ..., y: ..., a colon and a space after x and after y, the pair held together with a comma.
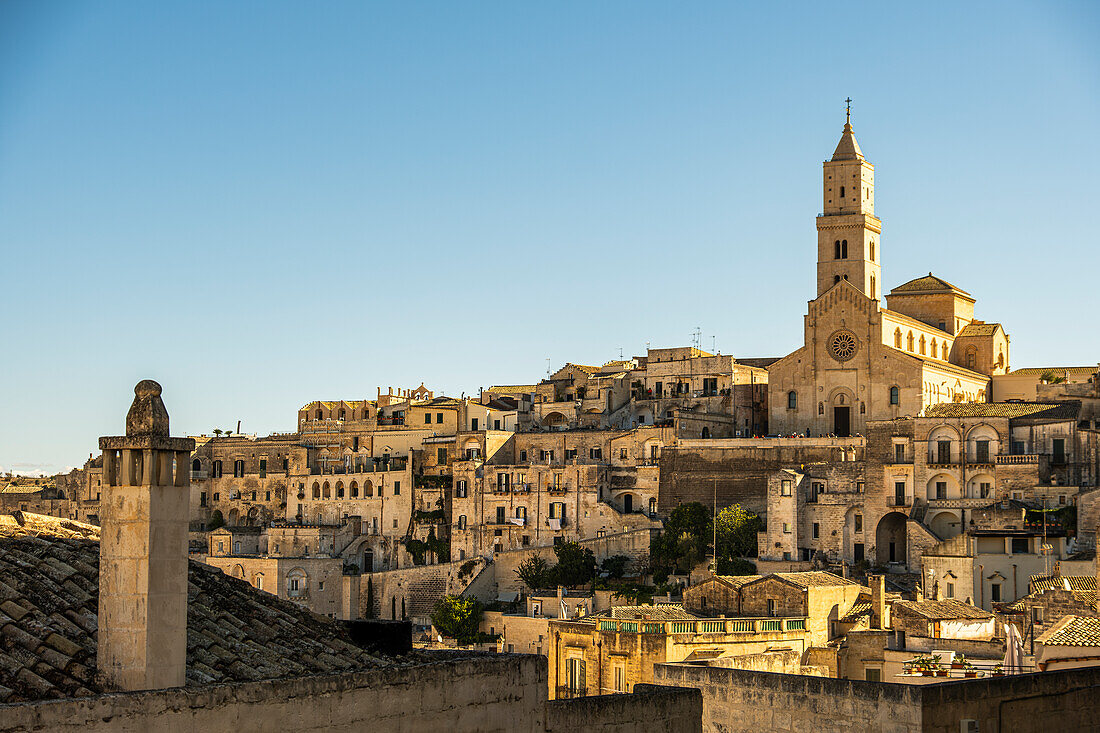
x: 941, y: 610
x: 928, y: 284
x: 1045, y: 410
x: 1073, y: 631
x: 235, y: 632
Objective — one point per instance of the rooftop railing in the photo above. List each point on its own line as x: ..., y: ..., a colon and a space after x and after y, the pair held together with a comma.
x: 707, y: 626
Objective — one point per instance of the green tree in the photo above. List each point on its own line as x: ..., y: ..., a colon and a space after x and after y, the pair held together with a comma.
x: 683, y: 543
x: 737, y: 528
x: 576, y: 565
x: 534, y: 572
x: 370, y: 597
x: 615, y: 566
x: 457, y: 618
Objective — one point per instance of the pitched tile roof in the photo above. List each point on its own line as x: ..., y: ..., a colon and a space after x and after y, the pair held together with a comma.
x: 513, y: 388
x: 928, y: 284
x: 1073, y: 631
x: 1045, y: 410
x: 738, y: 580
x: 1056, y: 371
x: 1040, y: 583
x: 859, y: 609
x: 49, y: 598
x: 978, y: 329
x: 663, y: 612
x: 941, y: 610
x: 815, y: 578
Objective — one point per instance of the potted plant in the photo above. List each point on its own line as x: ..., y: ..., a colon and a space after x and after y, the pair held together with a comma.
x: 938, y: 669
x: 958, y: 661
x: 999, y: 670
x: 969, y: 671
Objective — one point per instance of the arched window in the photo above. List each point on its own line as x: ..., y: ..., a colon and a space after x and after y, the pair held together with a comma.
x: 297, y: 582
x: 354, y: 489
x: 339, y: 489
x: 196, y: 465
x: 909, y: 341
x: 844, y: 249
x: 462, y: 521
x: 934, y: 349
x: 216, y: 469
x: 326, y: 492
x: 895, y: 396
x: 820, y: 408
x: 872, y: 251
x: 897, y: 338
x: 836, y: 250
x: 705, y: 433
x: 792, y: 400
x: 873, y: 287
x: 971, y: 358
x: 316, y: 490
x: 368, y: 489
x: 922, y: 343
x: 944, y: 350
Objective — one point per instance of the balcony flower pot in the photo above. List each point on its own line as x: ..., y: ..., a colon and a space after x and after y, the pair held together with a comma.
x: 970, y: 673
x: 941, y: 672
x: 926, y: 673
x: 957, y: 665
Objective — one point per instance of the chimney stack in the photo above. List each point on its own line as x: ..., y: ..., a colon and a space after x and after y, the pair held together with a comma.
x: 142, y: 639
x: 878, y: 601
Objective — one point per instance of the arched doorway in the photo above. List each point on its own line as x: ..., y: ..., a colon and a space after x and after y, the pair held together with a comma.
x: 945, y: 525
x: 628, y: 503
x: 890, y: 543
x: 706, y: 433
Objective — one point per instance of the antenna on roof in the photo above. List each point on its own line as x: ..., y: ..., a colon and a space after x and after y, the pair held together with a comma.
x: 713, y: 343
x: 548, y: 367
x: 696, y: 337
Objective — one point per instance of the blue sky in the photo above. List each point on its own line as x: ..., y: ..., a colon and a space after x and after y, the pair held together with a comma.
x: 263, y: 203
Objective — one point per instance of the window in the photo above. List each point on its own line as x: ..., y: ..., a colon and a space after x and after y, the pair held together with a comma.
x: 792, y: 400
x: 872, y: 675
x: 995, y: 592
x: 1059, y: 451
x: 441, y: 456
x: 316, y: 490
x: 943, y: 451
x: 575, y: 676
x: 950, y: 589
x: 897, y: 338
x: 202, y: 498
x: 286, y: 463
x: 820, y: 408
x: 460, y: 489
x: 620, y: 678
x: 985, y: 489
x: 786, y: 555
x: 786, y: 528
x: 909, y: 341
x: 195, y: 465
x: 473, y: 423
x: 844, y: 250
x: 496, y: 424
x: 943, y: 350
x: 339, y: 489
x: 785, y: 488
x: 622, y: 454
x: 857, y: 522
x: 1019, y: 545
x: 396, y: 488
x: 836, y: 279
x: 427, y: 418
x: 595, y: 453
x: 895, y: 396
x: 816, y: 530
x: 238, y: 469
x: 439, y: 419
x: 982, y: 451
x: 773, y: 604
x: 462, y: 521
x: 836, y: 250
x: 899, y: 452
x: 216, y: 469
x: 872, y: 251
x: 861, y: 487
x: 1037, y: 614
x: 941, y: 489
x: 922, y: 344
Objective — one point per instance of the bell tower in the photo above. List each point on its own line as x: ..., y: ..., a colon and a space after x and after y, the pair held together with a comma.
x: 848, y: 231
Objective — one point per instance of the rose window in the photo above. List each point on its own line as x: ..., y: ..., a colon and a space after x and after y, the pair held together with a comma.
x: 843, y: 345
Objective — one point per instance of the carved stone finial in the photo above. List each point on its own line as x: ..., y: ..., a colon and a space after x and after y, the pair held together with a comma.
x: 147, y: 415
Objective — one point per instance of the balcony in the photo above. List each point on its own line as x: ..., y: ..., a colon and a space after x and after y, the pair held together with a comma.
x: 1013, y: 460
x: 559, y: 489
x: 753, y: 625
x: 899, y: 501
x: 200, y: 475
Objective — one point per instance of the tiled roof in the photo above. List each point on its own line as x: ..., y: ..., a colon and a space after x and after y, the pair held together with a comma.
x: 663, y: 612
x: 587, y: 368
x: 859, y: 609
x: 49, y: 598
x: 1056, y: 371
x: 1045, y: 410
x: 513, y: 388
x: 758, y: 362
x: 978, y: 329
x: 1073, y: 631
x: 738, y: 580
x: 941, y: 610
x: 814, y: 578
x: 928, y: 284
x: 1040, y: 583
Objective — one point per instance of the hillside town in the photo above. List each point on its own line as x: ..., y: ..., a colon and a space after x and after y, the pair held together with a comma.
x: 662, y: 540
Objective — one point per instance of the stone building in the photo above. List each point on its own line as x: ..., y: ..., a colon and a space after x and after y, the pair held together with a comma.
x: 863, y: 362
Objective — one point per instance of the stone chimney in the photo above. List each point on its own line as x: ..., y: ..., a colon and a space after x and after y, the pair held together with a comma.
x: 144, y: 512
x: 878, y: 601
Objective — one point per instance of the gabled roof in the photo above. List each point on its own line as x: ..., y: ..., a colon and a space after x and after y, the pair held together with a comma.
x: 1040, y: 583
x: 928, y: 284
x: 808, y: 579
x: 49, y: 598
x: 941, y: 610
x: 736, y: 581
x: 978, y: 329
x: 860, y: 609
x: 1085, y: 371
x: 1045, y: 410
x: 663, y: 612
x: 1073, y: 631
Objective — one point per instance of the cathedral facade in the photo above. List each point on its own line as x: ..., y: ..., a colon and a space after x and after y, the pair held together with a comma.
x: 862, y: 361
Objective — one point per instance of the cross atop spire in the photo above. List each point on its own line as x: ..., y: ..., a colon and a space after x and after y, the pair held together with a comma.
x: 848, y: 111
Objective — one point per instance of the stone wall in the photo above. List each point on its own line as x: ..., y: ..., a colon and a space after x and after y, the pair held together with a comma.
x: 738, y: 468
x: 412, y: 592
x: 740, y: 700
x: 489, y: 693
x: 651, y: 708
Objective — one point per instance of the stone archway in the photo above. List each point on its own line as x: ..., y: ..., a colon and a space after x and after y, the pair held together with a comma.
x: 945, y: 525
x: 890, y: 544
